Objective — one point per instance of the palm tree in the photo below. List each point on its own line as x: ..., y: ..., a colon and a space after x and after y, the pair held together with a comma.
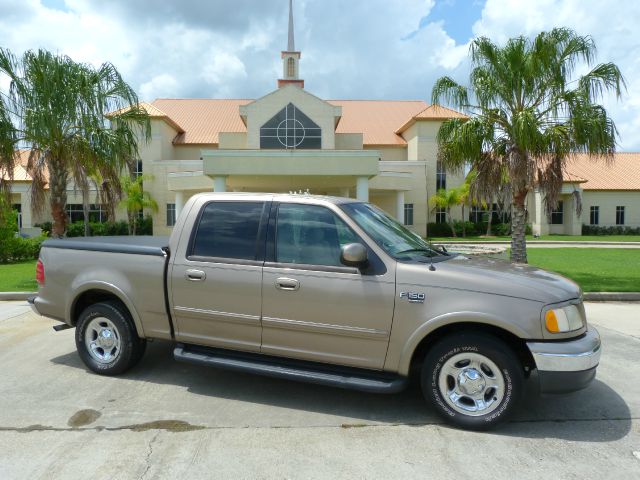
x: 136, y: 199
x: 446, y: 199
x: 529, y: 115
x: 464, y: 197
x: 8, y: 142
x: 60, y: 107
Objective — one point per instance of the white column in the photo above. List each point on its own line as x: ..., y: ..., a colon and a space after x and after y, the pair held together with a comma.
x: 344, y: 192
x: 219, y: 184
x: 179, y: 202
x: 25, y: 206
x: 362, y: 189
x: 400, y: 207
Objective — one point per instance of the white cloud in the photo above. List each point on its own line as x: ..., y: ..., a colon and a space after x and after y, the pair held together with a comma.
x: 163, y: 85
x: 355, y: 49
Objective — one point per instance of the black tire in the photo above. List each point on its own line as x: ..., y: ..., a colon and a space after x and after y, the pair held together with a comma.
x: 459, y: 376
x: 125, y: 348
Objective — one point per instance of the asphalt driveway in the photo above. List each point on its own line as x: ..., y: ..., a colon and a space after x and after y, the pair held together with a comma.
x: 169, y: 420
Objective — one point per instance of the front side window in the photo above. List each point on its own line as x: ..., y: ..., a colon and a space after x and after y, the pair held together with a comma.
x: 594, y: 215
x: 619, y: 215
x: 310, y: 235
x: 228, y: 230
x: 408, y: 213
x: 557, y: 214
x: 290, y: 128
x: 394, y: 238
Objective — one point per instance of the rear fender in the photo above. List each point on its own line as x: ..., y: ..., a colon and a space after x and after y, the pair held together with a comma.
x: 79, y: 289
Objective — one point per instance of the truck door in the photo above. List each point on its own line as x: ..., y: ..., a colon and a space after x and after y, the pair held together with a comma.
x: 314, y: 308
x: 216, y: 280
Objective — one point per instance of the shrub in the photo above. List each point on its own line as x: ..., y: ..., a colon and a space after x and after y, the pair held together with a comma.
x: 18, y: 249
x: 45, y: 227
x: 612, y: 230
x: 145, y: 226
x: 109, y: 229
x: 501, y: 229
x: 438, y: 230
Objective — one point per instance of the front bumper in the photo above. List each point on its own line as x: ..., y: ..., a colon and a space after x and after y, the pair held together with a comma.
x: 567, y: 366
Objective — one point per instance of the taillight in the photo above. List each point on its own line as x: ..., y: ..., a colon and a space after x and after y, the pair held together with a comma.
x: 40, y: 272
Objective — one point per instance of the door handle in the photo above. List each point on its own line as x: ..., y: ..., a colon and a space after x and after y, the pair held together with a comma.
x: 284, y: 283
x: 195, y: 275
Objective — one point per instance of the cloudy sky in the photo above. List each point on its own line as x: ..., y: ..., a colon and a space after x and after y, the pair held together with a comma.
x: 373, y: 49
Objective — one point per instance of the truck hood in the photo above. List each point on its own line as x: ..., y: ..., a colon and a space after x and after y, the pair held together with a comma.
x: 488, y: 275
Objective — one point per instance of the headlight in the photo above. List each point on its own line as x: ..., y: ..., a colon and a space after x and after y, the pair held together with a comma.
x: 562, y: 320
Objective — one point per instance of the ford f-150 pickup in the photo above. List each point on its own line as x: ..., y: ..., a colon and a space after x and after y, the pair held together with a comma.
x: 324, y: 290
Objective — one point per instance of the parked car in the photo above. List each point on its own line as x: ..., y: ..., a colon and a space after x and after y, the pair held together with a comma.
x: 324, y: 290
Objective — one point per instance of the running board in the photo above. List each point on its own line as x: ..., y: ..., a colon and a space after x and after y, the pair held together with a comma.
x: 310, y: 372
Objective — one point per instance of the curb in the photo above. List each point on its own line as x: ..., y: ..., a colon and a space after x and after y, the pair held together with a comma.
x: 611, y: 296
x: 16, y: 295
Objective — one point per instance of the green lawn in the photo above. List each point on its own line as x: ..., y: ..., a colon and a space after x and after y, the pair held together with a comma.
x: 594, y: 269
x: 555, y: 238
x: 18, y: 277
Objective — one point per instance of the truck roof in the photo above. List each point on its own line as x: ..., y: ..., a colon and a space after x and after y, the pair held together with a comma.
x: 280, y: 197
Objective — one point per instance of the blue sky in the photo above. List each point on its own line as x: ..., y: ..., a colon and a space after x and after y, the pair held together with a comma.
x: 457, y: 17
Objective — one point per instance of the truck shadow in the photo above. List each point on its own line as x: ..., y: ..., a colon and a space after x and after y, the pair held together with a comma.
x: 597, y: 414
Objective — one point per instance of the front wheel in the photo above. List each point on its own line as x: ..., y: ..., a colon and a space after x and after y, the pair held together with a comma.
x: 107, y: 340
x: 473, y: 380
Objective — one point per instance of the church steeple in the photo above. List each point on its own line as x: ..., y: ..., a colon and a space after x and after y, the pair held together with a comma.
x: 291, y: 45
x: 290, y: 58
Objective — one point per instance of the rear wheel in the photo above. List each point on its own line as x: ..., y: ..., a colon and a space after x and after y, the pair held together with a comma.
x: 473, y: 380
x: 107, y: 340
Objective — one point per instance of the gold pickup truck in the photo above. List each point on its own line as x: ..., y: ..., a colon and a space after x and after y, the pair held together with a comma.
x: 324, y: 290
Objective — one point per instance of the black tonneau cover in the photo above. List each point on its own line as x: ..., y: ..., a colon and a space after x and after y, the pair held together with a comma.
x: 138, y: 245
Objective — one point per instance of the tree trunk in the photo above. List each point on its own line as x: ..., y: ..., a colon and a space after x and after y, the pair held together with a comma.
x: 453, y: 228
x: 489, y: 220
x: 464, y: 223
x: 518, y: 220
x: 130, y: 218
x: 58, y: 177
x: 85, y: 210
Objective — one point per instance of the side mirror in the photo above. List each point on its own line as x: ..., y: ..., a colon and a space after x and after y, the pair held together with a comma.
x: 353, y: 255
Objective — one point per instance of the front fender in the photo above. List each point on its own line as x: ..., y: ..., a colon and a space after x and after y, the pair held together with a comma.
x: 447, y: 319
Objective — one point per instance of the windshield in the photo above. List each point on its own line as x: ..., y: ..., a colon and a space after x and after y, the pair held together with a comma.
x: 391, y: 236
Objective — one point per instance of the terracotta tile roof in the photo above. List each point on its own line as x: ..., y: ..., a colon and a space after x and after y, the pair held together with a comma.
x: 153, y: 112
x: 621, y: 174
x: 202, y: 119
x: 20, y: 173
x: 377, y: 119
x: 432, y: 112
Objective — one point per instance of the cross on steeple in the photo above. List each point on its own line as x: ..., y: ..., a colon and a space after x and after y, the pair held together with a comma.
x: 290, y: 58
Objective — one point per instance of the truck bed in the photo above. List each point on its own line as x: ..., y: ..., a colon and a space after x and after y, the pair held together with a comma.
x: 138, y: 245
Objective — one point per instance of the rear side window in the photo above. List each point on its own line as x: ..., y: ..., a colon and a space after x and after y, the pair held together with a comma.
x: 228, y: 230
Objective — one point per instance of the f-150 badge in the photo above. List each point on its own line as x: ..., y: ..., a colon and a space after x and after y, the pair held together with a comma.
x: 413, y: 297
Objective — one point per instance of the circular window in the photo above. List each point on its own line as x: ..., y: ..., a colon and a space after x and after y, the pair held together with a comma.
x: 290, y: 133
